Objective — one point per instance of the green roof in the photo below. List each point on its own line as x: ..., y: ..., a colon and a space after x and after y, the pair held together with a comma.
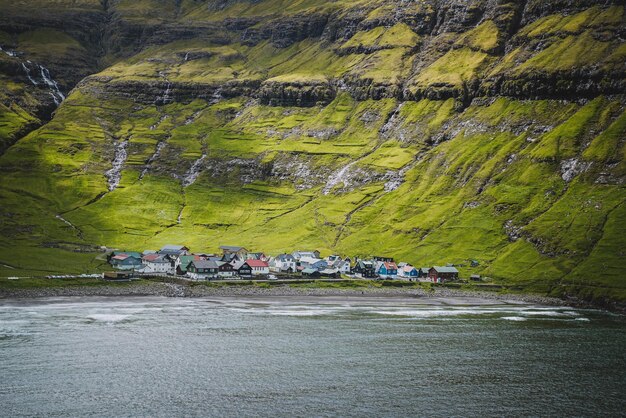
x: 445, y: 269
x: 129, y: 253
x: 185, y: 260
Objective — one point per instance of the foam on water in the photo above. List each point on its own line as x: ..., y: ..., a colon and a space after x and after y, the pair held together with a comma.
x: 308, y: 312
x: 289, y: 310
x: 549, y: 313
x: 507, y: 312
x: 514, y: 318
x: 519, y: 313
x: 109, y: 318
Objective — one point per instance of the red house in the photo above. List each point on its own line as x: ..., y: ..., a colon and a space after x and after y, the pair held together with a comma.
x: 442, y: 274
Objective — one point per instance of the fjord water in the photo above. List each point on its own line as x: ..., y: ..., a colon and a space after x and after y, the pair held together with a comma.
x: 307, y: 357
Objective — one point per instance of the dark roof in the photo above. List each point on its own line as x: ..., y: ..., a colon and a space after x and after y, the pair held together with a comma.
x: 381, y: 258
x: 171, y: 247
x: 440, y: 269
x: 229, y: 257
x: 204, y: 264
x: 171, y: 251
x: 285, y: 257
x: 231, y: 248
x: 239, y: 264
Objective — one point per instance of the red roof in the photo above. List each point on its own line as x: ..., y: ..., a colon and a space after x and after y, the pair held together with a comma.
x: 391, y: 266
x: 121, y: 257
x: 257, y: 263
x: 151, y: 257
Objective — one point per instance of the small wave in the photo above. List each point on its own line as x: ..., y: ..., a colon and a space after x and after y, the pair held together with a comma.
x: 560, y: 314
x: 582, y: 319
x: 290, y: 310
x: 514, y: 318
x: 109, y: 318
x: 6, y: 334
x: 308, y: 312
x: 430, y: 313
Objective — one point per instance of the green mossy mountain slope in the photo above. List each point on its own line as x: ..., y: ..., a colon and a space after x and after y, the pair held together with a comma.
x: 433, y: 131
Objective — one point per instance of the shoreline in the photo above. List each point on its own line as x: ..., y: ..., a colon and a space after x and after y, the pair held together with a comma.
x: 175, y: 290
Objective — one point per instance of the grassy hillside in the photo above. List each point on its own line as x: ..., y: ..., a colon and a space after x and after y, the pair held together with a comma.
x: 433, y: 133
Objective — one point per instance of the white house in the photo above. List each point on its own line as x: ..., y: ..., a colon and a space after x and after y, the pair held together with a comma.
x: 283, y: 263
x: 298, y: 255
x: 313, y: 262
x: 259, y: 268
x: 156, y: 263
x: 342, y: 266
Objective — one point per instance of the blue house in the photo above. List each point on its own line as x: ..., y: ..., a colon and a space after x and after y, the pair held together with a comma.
x: 313, y: 263
x: 126, y: 262
x: 386, y: 269
x: 409, y: 272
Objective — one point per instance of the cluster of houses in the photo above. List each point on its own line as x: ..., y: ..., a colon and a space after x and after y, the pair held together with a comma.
x: 238, y: 262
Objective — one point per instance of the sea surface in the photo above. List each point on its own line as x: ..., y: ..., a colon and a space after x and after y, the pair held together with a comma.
x: 289, y: 357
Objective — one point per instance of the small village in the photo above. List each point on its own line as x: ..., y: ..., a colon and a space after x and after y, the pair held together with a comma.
x: 236, y: 262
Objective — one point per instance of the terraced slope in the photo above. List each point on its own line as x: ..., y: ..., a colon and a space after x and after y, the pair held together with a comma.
x: 434, y: 131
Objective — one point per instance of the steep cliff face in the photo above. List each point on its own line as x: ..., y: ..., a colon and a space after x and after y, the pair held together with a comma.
x: 433, y: 130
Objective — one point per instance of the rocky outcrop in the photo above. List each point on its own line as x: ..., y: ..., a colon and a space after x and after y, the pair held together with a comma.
x: 285, y: 32
x: 153, y: 92
x: 83, y: 24
x: 535, y: 9
x: 459, y: 15
x: 296, y: 93
x: 364, y: 88
x: 570, y: 85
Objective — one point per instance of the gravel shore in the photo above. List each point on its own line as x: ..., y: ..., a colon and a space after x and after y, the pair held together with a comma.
x: 181, y: 290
